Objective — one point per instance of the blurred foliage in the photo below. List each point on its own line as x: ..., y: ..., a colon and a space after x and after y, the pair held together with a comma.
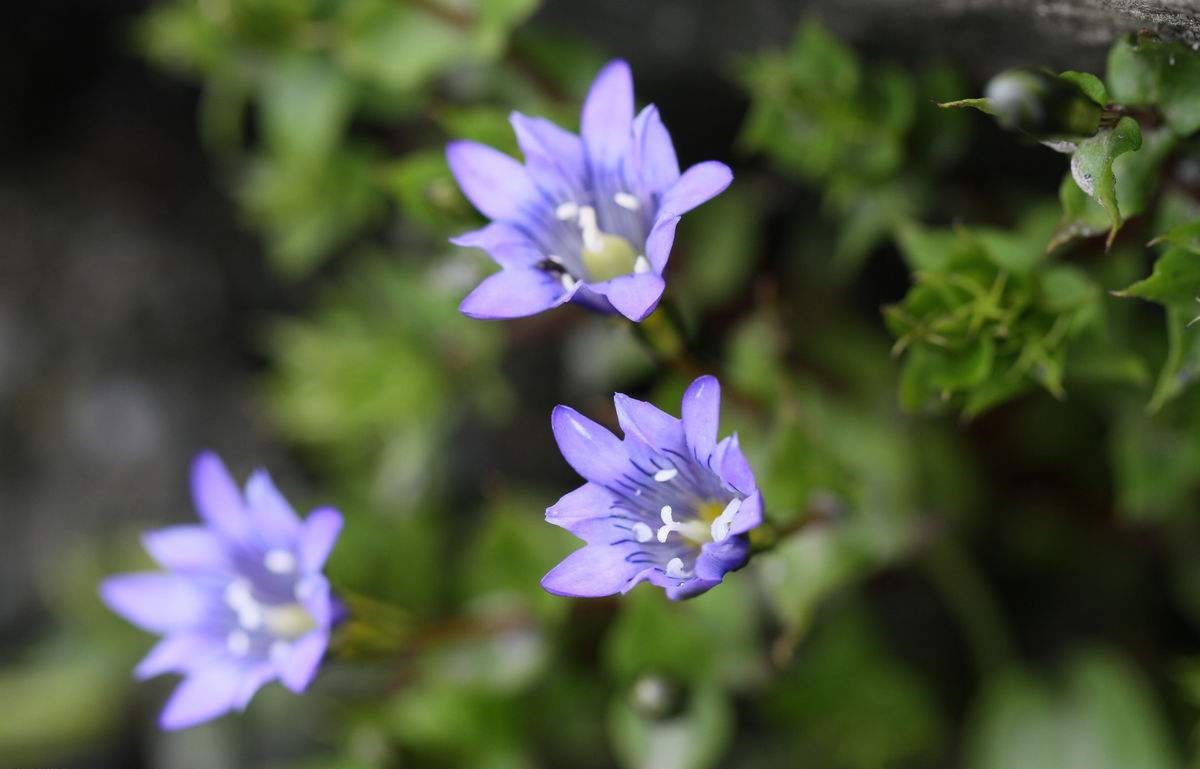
x: 838, y: 647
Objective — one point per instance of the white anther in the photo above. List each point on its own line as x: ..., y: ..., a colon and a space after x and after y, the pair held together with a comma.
x: 279, y: 561
x: 662, y: 476
x: 237, y: 594
x: 643, y: 532
x: 669, y: 524
x: 641, y: 265
x: 555, y: 258
x: 567, y: 281
x: 627, y: 201
x: 279, y: 651
x: 238, y: 643
x: 723, y: 522
x: 589, y: 229
x: 675, y: 569
x: 567, y: 211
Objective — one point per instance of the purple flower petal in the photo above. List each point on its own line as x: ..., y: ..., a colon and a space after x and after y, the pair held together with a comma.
x: 553, y: 156
x: 187, y: 548
x: 701, y: 413
x: 607, y: 119
x: 154, y: 601
x: 592, y: 450
x: 591, y: 572
x: 717, y: 558
x: 514, y: 293
x: 275, y: 522
x: 731, y: 464
x: 502, y: 238
x: 749, y: 515
x: 634, y: 296
x: 700, y: 183
x: 584, y: 503
x: 656, y: 159
x: 176, y: 653
x: 314, y: 595
x: 218, y: 499
x: 497, y: 185
x: 206, y: 693
x: 691, y: 588
x: 659, y: 242
x: 648, y: 424
x: 254, y: 678
x: 321, y: 530
x: 297, y: 670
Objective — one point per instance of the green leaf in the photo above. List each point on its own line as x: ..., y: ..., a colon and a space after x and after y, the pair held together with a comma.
x: 1137, y: 178
x: 1104, y: 717
x: 1092, y: 165
x: 1182, y: 366
x: 304, y: 103
x: 1089, y: 84
x: 1174, y: 281
x: 396, y: 47
x: 1143, y: 71
x: 981, y: 104
x: 1156, y: 466
x: 694, y: 739
x: 849, y: 701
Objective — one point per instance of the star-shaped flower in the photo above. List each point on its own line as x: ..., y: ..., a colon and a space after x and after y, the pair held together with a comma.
x: 242, y: 601
x: 588, y: 219
x: 669, y: 504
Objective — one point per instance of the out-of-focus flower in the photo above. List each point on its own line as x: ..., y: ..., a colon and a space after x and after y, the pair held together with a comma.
x: 589, y: 219
x: 242, y: 601
x: 669, y: 504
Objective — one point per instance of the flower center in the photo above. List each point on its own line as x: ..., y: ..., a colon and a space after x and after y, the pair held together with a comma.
x: 711, y: 523
x: 604, y: 256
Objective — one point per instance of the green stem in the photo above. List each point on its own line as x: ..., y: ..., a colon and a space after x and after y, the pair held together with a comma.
x: 962, y: 586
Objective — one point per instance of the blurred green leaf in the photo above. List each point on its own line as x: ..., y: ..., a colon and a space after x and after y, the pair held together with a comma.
x: 695, y: 739
x: 1144, y: 71
x: 1105, y: 717
x: 847, y: 702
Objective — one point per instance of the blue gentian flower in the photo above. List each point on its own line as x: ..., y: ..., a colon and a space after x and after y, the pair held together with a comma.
x: 668, y: 504
x: 587, y: 219
x: 242, y: 601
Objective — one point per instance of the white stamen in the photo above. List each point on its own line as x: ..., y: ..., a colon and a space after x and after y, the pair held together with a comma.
x: 567, y: 281
x: 589, y: 229
x: 721, y: 525
x: 567, y: 211
x: 238, y: 643
x: 555, y: 258
x: 641, y: 265
x: 662, y: 476
x: 279, y: 651
x: 643, y: 532
x: 669, y: 523
x: 627, y: 201
x: 239, y: 598
x: 237, y: 594
x: 675, y: 569
x: 279, y: 561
